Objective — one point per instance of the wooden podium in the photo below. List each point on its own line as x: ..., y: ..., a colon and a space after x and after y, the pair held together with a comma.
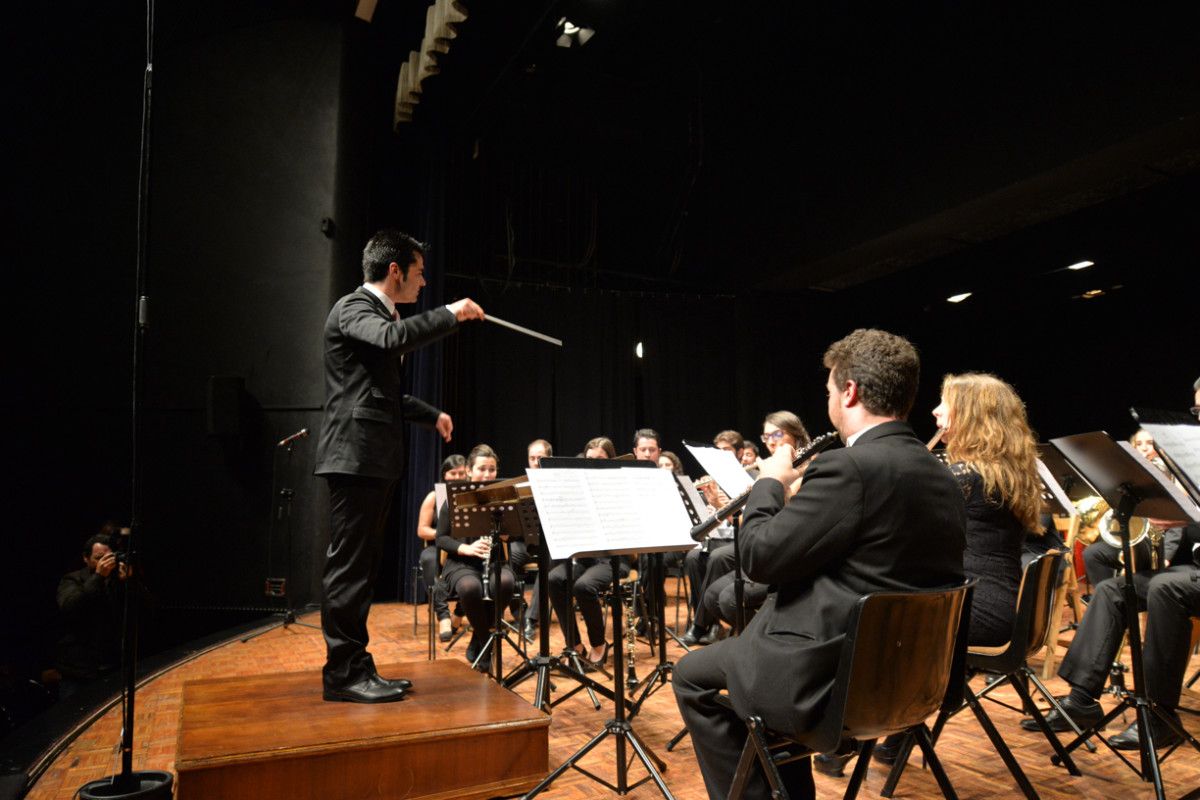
x: 457, y: 735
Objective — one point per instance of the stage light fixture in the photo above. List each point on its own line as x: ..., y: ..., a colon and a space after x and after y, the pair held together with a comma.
x: 1082, y: 265
x: 571, y: 34
x: 1092, y: 293
x: 958, y: 298
x: 638, y: 350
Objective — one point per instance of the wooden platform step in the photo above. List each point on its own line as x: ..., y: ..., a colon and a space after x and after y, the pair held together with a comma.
x: 457, y: 735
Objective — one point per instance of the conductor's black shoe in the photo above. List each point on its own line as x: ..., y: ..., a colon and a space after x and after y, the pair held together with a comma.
x: 399, y: 683
x: 368, y: 690
x: 832, y: 764
x: 1085, y: 716
x: 1162, y: 733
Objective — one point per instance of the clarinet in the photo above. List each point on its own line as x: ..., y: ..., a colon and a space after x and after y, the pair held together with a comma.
x: 487, y: 568
x: 817, y: 445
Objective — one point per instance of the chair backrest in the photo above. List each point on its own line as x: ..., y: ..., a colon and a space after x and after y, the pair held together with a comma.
x: 1035, y: 601
x: 895, y: 666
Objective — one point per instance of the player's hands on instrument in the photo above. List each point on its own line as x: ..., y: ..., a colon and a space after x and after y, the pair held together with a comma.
x: 466, y: 309
x: 779, y: 465
x: 444, y: 425
x: 478, y: 548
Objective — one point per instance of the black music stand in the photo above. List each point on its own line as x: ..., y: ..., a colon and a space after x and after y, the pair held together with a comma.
x: 472, y: 520
x: 619, y: 726
x: 1129, y: 484
x: 543, y: 665
x: 658, y: 677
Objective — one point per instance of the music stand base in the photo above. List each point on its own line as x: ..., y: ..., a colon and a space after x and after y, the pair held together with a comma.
x: 624, y: 734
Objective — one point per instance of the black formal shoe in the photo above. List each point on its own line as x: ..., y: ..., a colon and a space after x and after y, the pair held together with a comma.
x: 1163, y: 734
x: 694, y: 636
x: 832, y: 764
x: 368, y: 690
x: 1084, y: 716
x: 600, y: 662
x: 887, y: 751
x: 399, y: 683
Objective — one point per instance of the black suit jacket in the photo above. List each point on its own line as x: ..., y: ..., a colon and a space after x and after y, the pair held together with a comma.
x: 365, y: 407
x: 882, y: 515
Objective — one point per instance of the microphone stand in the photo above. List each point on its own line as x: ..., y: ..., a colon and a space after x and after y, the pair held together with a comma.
x: 147, y: 783
x: 277, y: 587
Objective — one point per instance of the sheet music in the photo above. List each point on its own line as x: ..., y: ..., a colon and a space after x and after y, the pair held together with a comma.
x: 1164, y: 480
x: 592, y: 512
x: 723, y: 467
x: 439, y: 496
x: 1181, y: 443
x: 1056, y: 492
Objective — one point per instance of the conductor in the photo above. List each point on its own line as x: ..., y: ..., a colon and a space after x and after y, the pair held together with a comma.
x: 361, y: 450
x: 879, y: 514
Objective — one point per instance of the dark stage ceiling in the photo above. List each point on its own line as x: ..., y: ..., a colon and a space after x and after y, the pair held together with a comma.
x: 792, y: 147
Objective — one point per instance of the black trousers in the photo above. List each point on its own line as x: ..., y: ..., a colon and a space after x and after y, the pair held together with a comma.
x: 358, y: 509
x: 718, y: 733
x: 591, y: 577
x: 720, y: 563
x: 1101, y: 560
x: 1171, y: 597
x: 429, y: 570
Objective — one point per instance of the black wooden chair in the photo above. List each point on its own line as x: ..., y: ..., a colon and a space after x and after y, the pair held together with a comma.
x: 899, y: 665
x: 1007, y: 663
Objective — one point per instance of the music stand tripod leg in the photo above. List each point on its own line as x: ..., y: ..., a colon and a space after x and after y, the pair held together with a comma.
x: 619, y: 726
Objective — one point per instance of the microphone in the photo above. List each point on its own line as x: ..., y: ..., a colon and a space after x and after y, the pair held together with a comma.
x: 300, y: 434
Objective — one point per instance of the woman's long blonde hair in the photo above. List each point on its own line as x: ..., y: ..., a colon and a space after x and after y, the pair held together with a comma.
x: 990, y: 432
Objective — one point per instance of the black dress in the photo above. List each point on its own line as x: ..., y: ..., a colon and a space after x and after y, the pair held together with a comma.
x: 993, y: 556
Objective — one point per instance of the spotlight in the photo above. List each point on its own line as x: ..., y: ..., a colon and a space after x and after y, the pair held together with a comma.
x: 958, y: 298
x: 638, y: 350
x: 1082, y: 265
x: 571, y: 34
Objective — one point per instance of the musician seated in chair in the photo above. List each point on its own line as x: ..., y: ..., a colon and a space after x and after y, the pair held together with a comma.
x: 454, y: 468
x: 718, y: 594
x: 879, y: 514
x: 1171, y: 596
x: 992, y: 455
x: 1101, y: 559
x: 463, y: 570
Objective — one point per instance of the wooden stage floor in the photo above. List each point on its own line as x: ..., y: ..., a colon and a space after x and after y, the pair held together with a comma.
x: 969, y: 760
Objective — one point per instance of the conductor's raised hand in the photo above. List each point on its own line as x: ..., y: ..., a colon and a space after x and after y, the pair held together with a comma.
x: 466, y: 309
x: 779, y: 465
x: 444, y: 425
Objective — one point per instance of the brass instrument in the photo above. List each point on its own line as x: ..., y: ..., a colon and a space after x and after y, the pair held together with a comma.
x: 1090, y: 509
x: 1139, y: 529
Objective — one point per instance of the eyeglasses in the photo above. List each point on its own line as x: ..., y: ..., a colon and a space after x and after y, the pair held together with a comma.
x: 767, y: 438
x: 1195, y: 411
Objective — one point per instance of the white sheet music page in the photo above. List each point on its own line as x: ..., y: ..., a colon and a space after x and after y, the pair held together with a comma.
x: 724, y: 468
x: 1182, y: 444
x: 592, y: 512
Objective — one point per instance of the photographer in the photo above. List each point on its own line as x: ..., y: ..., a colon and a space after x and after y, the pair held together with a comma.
x: 90, y: 601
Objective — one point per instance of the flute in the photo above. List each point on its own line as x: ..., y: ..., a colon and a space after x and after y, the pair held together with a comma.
x: 937, y: 437
x: 817, y: 445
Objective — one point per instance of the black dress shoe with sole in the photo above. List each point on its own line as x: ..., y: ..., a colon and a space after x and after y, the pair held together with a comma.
x: 399, y: 683
x: 832, y: 764
x: 365, y: 691
x: 1163, y: 735
x: 1084, y: 716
